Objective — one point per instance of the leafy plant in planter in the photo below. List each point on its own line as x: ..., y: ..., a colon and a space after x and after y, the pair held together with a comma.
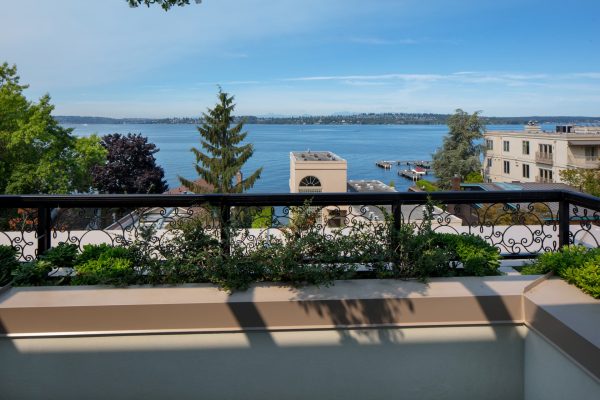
x: 63, y: 255
x: 186, y: 258
x: 578, y: 265
x: 34, y: 273
x: 8, y: 263
x: 470, y: 255
x: 105, y: 265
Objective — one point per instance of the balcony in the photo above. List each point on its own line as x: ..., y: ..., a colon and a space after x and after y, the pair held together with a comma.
x: 544, y: 158
x: 303, y: 341
x: 584, y: 161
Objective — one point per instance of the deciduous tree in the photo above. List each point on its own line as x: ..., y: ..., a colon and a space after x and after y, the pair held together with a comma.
x: 130, y: 166
x: 165, y: 4
x: 460, y: 153
x: 587, y: 180
x: 37, y: 155
x: 222, y: 157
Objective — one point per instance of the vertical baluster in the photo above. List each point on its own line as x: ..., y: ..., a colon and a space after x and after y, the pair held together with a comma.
x: 43, y: 230
x: 397, y: 213
x: 563, y: 223
x: 225, y: 228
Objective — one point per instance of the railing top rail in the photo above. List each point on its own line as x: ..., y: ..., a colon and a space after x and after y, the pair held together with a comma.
x: 294, y: 199
x: 583, y: 199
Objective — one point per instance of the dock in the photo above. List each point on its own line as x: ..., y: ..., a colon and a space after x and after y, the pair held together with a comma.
x: 411, y: 174
x: 422, y: 167
x: 419, y: 163
x: 384, y: 164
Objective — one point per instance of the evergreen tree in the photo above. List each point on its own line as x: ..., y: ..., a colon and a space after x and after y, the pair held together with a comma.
x: 460, y: 154
x: 130, y: 166
x: 224, y: 157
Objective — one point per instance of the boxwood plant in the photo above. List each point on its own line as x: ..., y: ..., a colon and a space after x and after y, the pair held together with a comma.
x: 578, y: 265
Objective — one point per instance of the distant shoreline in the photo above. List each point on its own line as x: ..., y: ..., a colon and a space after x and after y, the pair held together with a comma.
x: 355, y: 119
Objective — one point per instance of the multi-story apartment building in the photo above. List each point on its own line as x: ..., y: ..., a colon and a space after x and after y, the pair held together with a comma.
x: 534, y: 155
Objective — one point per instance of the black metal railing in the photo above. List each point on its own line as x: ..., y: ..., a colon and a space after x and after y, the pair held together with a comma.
x: 519, y: 223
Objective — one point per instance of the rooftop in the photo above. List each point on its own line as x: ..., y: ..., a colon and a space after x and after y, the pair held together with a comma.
x: 316, y: 156
x: 498, y: 186
x: 559, y: 130
x: 369, y: 185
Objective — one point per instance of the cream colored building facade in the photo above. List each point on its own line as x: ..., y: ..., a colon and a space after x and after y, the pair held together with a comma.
x: 317, y: 171
x: 320, y: 172
x: 533, y: 155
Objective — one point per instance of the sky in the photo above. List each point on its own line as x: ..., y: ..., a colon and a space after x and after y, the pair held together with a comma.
x: 318, y: 57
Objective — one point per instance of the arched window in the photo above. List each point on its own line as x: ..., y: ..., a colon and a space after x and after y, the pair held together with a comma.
x: 310, y: 184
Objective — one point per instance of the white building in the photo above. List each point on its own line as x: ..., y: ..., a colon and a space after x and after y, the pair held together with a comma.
x: 533, y: 155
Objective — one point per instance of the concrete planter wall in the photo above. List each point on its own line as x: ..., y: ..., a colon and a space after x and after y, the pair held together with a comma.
x: 484, y: 338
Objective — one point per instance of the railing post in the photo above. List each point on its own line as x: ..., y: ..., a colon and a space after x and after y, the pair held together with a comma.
x: 225, y: 228
x: 563, y: 223
x: 397, y: 214
x: 44, y: 230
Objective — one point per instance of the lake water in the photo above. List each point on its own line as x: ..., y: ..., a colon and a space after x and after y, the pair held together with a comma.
x: 360, y: 145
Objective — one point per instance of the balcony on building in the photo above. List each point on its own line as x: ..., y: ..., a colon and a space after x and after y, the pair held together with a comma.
x: 543, y: 179
x: 544, y: 157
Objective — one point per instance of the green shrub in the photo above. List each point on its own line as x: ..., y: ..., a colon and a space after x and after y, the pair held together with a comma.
x: 578, y: 265
x: 183, y: 259
x: 103, y: 264
x: 262, y: 218
x: 92, y: 252
x: 586, y: 277
x: 33, y: 273
x: 556, y: 262
x: 233, y: 272
x: 476, y: 256
x: 427, y: 186
x: 105, y: 271
x: 8, y: 263
x: 63, y: 255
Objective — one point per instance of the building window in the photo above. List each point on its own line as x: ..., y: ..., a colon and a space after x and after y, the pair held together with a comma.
x: 310, y: 184
x: 506, y: 166
x: 489, y: 144
x: 525, y: 147
x: 546, y: 149
x: 546, y: 175
x: 525, y: 170
x: 591, y: 152
x: 506, y: 145
x: 489, y: 162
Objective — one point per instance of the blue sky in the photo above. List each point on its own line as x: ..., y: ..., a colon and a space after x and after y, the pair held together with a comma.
x: 290, y: 57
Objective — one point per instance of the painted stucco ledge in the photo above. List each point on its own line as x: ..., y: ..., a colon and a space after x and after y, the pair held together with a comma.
x: 561, y: 313
x: 85, y: 310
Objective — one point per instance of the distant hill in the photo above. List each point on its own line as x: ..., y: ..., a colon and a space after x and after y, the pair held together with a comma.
x: 350, y: 119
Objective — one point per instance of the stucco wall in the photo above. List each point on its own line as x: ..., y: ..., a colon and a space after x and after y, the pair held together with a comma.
x: 412, y: 363
x: 550, y: 375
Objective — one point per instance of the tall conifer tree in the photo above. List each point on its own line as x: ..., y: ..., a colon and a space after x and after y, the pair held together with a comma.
x: 223, y: 157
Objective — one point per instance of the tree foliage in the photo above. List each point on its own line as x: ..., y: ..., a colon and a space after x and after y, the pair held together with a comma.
x: 587, y: 180
x: 37, y: 155
x: 460, y: 153
x: 223, y: 156
x: 130, y: 166
x: 165, y: 4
